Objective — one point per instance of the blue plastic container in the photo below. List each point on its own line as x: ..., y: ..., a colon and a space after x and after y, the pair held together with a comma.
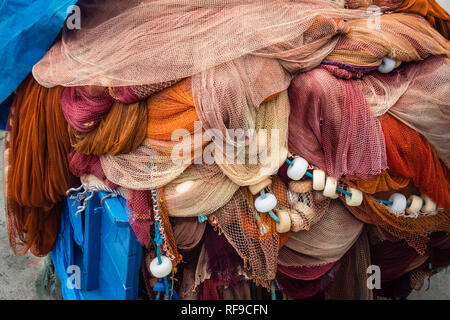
x: 100, y: 243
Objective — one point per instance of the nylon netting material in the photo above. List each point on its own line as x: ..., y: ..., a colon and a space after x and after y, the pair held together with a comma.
x: 410, y: 155
x: 417, y: 95
x: 238, y: 223
x: 350, y: 282
x: 429, y: 9
x: 37, y: 170
x: 400, y: 36
x: 341, y: 141
x: 325, y: 242
x: 121, y: 131
x: 200, y: 42
x: 200, y: 190
x: 267, y: 149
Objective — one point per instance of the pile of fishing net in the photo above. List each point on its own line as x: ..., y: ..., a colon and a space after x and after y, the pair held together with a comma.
x: 339, y: 114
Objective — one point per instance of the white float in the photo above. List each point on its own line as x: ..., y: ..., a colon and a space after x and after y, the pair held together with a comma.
x: 330, y: 188
x: 355, y: 199
x: 265, y: 205
x: 319, y: 178
x: 161, y: 270
x: 297, y: 170
x: 387, y: 65
x: 398, y: 205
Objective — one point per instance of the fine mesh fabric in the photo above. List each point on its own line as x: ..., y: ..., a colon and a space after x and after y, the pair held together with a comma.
x: 263, y: 155
x: 121, y: 131
x: 141, y: 169
x: 400, y: 36
x: 199, y: 190
x: 183, y: 38
x: 417, y: 95
x: 414, y: 231
x: 350, y: 281
x: 341, y: 141
x: 429, y: 9
x: 37, y: 170
x: 238, y: 223
x: 325, y: 242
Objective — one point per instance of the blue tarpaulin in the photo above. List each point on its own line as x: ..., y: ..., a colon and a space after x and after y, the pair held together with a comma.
x: 27, y: 30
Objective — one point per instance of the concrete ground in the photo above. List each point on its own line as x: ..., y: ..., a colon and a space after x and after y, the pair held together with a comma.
x: 17, y: 274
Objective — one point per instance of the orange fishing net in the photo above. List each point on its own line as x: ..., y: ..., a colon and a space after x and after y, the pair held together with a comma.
x: 431, y: 10
x: 121, y: 131
x: 37, y: 169
x: 410, y: 155
x: 413, y: 230
x: 171, y: 109
x: 380, y: 183
x: 403, y: 37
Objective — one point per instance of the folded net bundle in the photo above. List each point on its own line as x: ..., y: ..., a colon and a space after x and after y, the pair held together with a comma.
x: 202, y: 35
x: 325, y: 242
x: 342, y: 141
x: 200, y: 190
x: 402, y: 37
x: 121, y: 131
x: 141, y: 169
x: 410, y: 155
x: 417, y: 95
x: 350, y: 281
x: 259, y: 158
x: 37, y: 169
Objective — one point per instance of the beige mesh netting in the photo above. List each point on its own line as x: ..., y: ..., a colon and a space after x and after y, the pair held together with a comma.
x: 200, y: 190
x: 151, y: 41
x: 134, y: 170
x: 325, y: 242
x: 400, y: 36
x: 263, y: 155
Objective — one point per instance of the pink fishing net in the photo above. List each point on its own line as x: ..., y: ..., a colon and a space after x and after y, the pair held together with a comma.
x: 339, y: 132
x: 84, y: 109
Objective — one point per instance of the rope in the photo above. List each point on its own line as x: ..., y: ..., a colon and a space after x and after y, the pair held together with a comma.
x: 84, y: 189
x: 386, y: 202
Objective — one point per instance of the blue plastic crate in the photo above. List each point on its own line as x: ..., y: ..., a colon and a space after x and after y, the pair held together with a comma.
x: 102, y: 244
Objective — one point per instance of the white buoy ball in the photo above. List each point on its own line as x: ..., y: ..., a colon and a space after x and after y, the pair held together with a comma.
x: 298, y: 169
x: 387, y: 65
x: 161, y: 270
x: 398, y: 205
x: 266, y: 204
